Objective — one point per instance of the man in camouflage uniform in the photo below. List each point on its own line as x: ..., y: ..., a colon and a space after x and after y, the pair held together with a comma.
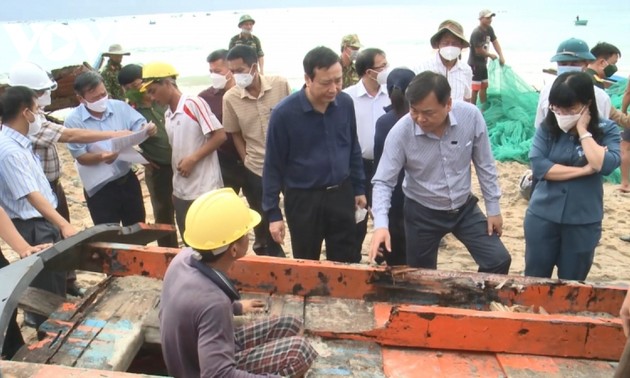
x: 245, y: 37
x: 350, y: 46
x: 111, y: 70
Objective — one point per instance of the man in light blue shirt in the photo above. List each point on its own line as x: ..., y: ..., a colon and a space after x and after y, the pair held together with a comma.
x: 25, y: 193
x: 435, y: 144
x: 119, y: 198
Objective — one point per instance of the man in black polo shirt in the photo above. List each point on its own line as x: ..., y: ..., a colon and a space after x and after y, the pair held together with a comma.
x: 313, y: 154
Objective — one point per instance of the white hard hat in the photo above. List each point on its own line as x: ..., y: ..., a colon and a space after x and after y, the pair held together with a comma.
x: 31, y: 75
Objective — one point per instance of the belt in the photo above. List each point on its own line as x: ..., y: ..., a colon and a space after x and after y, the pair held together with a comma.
x: 332, y: 188
x: 36, y: 219
x: 453, y: 212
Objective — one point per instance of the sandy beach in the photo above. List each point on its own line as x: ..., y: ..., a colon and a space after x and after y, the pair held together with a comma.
x: 612, y: 256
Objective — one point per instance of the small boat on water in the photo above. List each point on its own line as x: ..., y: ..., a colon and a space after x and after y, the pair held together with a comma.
x: 364, y: 321
x: 580, y: 22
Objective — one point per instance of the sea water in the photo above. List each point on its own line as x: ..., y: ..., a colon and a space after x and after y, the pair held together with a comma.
x: 529, y: 32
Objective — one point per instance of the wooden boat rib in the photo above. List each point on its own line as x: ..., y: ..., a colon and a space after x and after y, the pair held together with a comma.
x: 364, y: 321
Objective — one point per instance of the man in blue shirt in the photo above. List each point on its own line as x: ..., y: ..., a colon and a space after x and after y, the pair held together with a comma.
x: 25, y: 193
x: 313, y: 154
x: 435, y: 144
x: 118, y: 198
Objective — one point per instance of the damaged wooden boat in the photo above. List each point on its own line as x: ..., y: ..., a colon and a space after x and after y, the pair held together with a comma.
x: 364, y: 321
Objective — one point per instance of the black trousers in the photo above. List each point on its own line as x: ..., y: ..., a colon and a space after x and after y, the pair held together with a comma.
x: 37, y: 231
x: 62, y: 202
x: 64, y: 211
x: 424, y: 228
x: 159, y: 182
x: 398, y: 254
x: 181, y: 209
x: 120, y: 201
x: 361, y: 227
x: 315, y: 215
x: 264, y: 244
x: 13, y: 339
x: 233, y: 172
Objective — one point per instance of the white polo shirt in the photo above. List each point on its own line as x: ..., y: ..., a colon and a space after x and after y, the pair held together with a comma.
x: 188, y: 128
x: 367, y: 109
x: 459, y: 76
x: 601, y: 98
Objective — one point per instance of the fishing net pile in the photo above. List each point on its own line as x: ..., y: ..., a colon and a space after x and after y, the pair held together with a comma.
x: 510, y: 111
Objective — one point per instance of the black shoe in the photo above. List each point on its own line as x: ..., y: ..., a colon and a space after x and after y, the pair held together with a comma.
x: 625, y: 238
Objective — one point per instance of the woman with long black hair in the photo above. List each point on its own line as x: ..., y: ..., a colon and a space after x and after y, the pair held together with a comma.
x: 572, y: 150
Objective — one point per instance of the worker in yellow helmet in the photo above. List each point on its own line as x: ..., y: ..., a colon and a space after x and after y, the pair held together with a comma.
x: 198, y: 303
x: 194, y: 133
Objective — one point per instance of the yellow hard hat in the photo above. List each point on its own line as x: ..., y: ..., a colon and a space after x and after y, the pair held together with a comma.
x: 216, y: 219
x: 154, y: 71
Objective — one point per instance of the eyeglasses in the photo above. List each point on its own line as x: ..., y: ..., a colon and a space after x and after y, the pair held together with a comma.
x: 575, y: 109
x: 380, y: 68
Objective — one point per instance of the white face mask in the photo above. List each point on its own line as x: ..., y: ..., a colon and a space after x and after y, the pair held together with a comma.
x: 244, y: 80
x: 98, y: 106
x: 44, y: 100
x: 218, y: 81
x: 246, y: 31
x: 381, y: 78
x: 567, y: 122
x: 353, y: 55
x: 36, y: 125
x: 450, y: 52
x: 563, y: 69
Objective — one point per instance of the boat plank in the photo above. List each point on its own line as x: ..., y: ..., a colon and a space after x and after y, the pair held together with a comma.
x: 334, y: 315
x: 578, y: 368
x: 460, y: 329
x: 121, y: 337
x: 14, y: 369
x: 411, y: 363
x: 528, y: 366
x: 346, y: 358
x: 482, y: 331
x: 40, y: 301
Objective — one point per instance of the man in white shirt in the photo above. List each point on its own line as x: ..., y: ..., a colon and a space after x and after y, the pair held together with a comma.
x: 194, y: 132
x: 449, y: 42
x: 370, y: 99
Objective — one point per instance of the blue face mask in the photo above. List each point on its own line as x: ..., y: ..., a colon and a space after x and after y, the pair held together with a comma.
x: 563, y: 69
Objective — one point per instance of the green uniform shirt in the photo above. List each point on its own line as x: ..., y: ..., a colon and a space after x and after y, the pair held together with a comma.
x: 350, y: 76
x: 250, y: 40
x: 597, y: 81
x: 110, y: 79
x: 157, y: 148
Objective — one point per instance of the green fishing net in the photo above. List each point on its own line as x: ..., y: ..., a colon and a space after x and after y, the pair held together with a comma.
x: 616, y: 92
x: 510, y: 111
